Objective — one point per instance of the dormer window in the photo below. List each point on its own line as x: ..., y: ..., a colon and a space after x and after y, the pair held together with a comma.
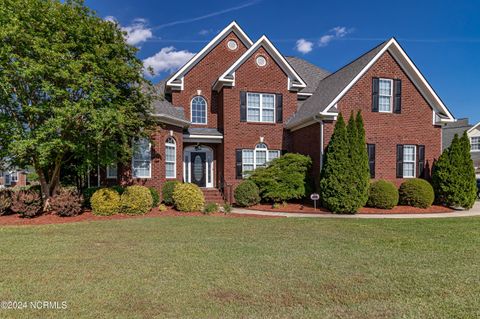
x: 199, y: 110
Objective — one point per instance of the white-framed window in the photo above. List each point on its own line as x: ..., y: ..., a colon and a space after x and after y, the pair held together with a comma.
x: 475, y: 142
x: 14, y: 177
x: 409, y: 160
x: 385, y: 95
x: 112, y: 171
x: 7, y: 179
x: 142, y: 159
x: 199, y: 110
x: 170, y: 158
x: 260, y: 107
x: 258, y: 157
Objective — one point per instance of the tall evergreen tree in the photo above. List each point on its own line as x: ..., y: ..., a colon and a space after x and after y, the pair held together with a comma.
x: 335, y: 184
x: 362, y: 166
x: 454, y: 176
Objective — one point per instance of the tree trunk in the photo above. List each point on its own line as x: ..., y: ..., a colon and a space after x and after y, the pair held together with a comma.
x: 48, y: 184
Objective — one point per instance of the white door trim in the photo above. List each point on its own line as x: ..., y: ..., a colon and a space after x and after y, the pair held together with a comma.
x: 187, y: 167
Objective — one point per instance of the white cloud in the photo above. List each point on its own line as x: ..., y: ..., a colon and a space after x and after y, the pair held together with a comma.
x: 335, y: 33
x: 167, y: 59
x: 137, y: 32
x: 204, y: 32
x: 304, y: 46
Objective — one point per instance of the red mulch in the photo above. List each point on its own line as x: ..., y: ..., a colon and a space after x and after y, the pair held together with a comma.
x: 44, y: 219
x: 308, y: 209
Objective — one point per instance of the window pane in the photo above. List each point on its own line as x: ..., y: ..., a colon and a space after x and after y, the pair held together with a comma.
x: 247, y: 156
x: 409, y: 153
x: 273, y: 155
x: 170, y: 169
x: 141, y: 168
x: 385, y: 87
x: 475, y: 143
x: 267, y: 115
x: 268, y: 101
x: 199, y: 110
x: 253, y: 115
x: 261, y: 157
x: 170, y: 154
x: 141, y: 150
x: 384, y: 103
x: 112, y: 170
x: 408, y: 169
x: 253, y: 100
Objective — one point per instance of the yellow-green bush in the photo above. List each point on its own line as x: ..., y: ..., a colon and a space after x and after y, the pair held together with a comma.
x: 105, y: 201
x: 136, y: 200
x: 188, y: 198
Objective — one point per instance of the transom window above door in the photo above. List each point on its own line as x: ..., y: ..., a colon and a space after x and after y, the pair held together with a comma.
x: 261, y: 107
x: 385, y: 92
x: 199, y: 110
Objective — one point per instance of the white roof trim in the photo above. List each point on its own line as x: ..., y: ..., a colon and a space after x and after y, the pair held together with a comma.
x: 232, y: 27
x: 473, y: 128
x: 228, y: 77
x: 168, y: 119
x: 423, y: 85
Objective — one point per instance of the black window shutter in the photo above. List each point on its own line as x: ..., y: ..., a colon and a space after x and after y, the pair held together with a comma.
x: 283, y: 152
x: 238, y: 161
x: 397, y: 96
x: 243, y: 106
x: 371, y: 159
x: 421, y: 161
x: 399, y: 161
x: 375, y: 95
x: 279, y: 108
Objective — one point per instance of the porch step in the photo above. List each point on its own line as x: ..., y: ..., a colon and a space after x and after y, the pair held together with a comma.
x: 212, y: 195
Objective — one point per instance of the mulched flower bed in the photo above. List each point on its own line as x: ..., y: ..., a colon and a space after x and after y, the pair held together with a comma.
x: 308, y: 209
x: 45, y: 219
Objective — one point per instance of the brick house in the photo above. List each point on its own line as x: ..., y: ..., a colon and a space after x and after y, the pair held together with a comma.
x: 237, y: 104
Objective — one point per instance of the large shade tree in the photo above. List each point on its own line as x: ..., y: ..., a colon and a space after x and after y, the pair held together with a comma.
x: 70, y: 88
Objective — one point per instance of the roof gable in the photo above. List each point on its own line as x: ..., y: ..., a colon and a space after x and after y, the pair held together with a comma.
x: 331, y: 89
x: 295, y: 82
x: 473, y: 128
x: 176, y: 80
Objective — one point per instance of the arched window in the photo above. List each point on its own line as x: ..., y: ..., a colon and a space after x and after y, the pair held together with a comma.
x: 170, y: 158
x: 199, y: 110
x: 257, y: 157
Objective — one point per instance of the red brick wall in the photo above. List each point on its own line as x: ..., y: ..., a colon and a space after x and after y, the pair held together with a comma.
x: 307, y: 141
x: 202, y: 77
x: 386, y: 130
x: 250, y: 77
x: 158, y: 161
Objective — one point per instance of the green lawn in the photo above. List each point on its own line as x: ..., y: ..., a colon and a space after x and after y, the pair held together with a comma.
x: 211, y: 267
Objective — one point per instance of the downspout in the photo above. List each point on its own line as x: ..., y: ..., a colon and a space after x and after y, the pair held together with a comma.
x: 320, y: 121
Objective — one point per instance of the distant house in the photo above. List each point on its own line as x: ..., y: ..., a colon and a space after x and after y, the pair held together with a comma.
x: 13, y: 177
x: 473, y: 131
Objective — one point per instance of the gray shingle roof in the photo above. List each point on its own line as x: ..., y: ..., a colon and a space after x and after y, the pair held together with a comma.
x: 310, y: 74
x: 450, y: 129
x: 203, y: 131
x: 164, y: 107
x: 331, y: 86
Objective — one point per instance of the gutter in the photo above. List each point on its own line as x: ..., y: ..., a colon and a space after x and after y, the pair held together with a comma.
x: 171, y: 120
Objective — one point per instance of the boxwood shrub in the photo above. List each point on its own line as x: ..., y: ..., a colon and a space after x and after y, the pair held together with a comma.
x: 67, y: 202
x: 167, y: 192
x: 188, y: 197
x: 105, y: 202
x: 136, y: 200
x: 383, y: 195
x: 155, y: 196
x: 247, y: 194
x: 417, y: 193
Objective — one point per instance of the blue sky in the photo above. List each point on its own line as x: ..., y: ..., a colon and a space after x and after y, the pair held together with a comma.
x: 441, y: 37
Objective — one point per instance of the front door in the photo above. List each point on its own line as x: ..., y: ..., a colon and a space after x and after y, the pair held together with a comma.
x: 198, y: 165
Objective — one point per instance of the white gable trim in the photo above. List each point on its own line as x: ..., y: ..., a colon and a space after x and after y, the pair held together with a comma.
x: 228, y: 77
x: 476, y: 126
x: 176, y: 81
x: 407, y: 65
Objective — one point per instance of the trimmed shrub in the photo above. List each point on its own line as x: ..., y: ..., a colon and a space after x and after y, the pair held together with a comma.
x: 105, y: 202
x: 247, y: 194
x: 5, y: 202
x: 27, y: 203
x: 417, y: 193
x: 188, y: 197
x: 167, y: 192
x: 162, y: 208
x: 284, y: 178
x: 227, y: 208
x: 210, y: 208
x: 155, y: 197
x: 383, y: 195
x: 67, y: 202
x: 87, y: 195
x: 136, y: 200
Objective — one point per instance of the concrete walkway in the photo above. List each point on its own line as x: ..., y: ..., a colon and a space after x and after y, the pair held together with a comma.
x: 475, y: 211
